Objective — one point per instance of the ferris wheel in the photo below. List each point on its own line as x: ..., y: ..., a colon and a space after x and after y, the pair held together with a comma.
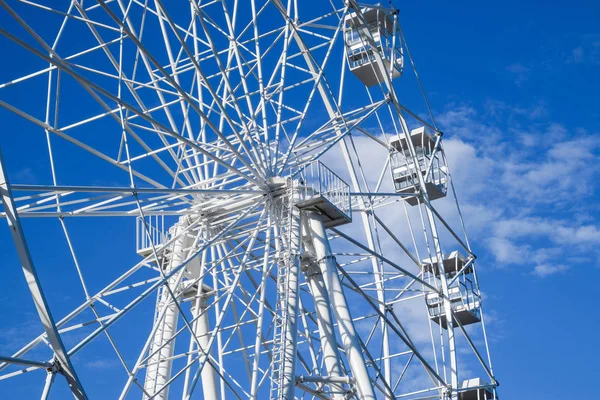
x: 277, y: 194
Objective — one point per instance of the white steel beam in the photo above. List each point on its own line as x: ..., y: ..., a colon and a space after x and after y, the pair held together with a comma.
x: 62, y: 360
x: 159, y: 369
x: 329, y: 345
x: 202, y: 330
x: 350, y: 339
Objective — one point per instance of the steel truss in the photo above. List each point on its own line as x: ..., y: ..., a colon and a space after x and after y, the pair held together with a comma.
x: 206, y: 117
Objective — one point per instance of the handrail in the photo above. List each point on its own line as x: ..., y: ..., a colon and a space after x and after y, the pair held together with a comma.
x: 319, y: 180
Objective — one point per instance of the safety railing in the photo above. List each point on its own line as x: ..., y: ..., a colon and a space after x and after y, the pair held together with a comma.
x: 404, y: 174
x: 150, y: 231
x: 318, y: 180
x: 462, y: 298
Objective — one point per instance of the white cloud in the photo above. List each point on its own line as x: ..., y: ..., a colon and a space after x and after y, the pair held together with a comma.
x: 527, y: 204
x: 544, y: 270
x: 526, y: 199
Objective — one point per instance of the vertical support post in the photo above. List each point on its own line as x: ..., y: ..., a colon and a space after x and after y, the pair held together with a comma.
x: 329, y: 344
x: 61, y: 357
x: 160, y: 364
x: 291, y: 304
x: 350, y: 339
x: 447, y: 308
x: 202, y: 332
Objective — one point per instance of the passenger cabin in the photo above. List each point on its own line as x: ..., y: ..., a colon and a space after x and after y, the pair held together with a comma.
x: 321, y: 190
x: 475, y: 389
x: 465, y: 306
x: 376, y: 34
x: 453, y: 264
x: 463, y: 292
x: 404, y: 173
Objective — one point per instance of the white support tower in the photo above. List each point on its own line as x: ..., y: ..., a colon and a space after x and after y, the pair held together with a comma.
x: 291, y: 230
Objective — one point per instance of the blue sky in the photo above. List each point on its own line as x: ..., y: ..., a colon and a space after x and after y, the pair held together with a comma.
x: 515, y: 87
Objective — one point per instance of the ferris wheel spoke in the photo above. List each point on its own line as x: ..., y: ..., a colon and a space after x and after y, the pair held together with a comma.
x: 56, y: 60
x: 251, y: 154
x: 76, y: 142
x: 398, y: 330
x: 230, y: 291
x: 87, y: 296
x: 206, y: 117
x: 126, y: 309
x: 262, y: 289
x: 251, y: 64
x: 129, y: 84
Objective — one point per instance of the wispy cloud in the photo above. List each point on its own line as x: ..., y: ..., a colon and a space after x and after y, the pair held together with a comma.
x: 524, y: 183
x: 577, y: 55
x: 102, y: 364
x: 545, y: 270
x: 519, y: 72
x: 529, y: 198
x: 586, y: 52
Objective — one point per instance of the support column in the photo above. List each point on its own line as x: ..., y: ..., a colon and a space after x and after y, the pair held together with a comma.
x: 339, y: 305
x: 160, y: 364
x: 329, y: 345
x: 289, y: 306
x: 202, y: 332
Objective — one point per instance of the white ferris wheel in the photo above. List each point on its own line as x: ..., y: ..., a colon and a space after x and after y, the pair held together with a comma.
x: 280, y: 189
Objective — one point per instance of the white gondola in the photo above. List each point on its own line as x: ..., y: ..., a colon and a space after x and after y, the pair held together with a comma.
x: 453, y: 263
x: 475, y: 389
x: 404, y: 173
x: 465, y: 301
x: 463, y: 291
x: 376, y: 34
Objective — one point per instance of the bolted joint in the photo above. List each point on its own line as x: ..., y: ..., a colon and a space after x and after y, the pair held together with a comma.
x: 325, y: 258
x: 55, y: 368
x: 448, y: 393
x: 309, y: 266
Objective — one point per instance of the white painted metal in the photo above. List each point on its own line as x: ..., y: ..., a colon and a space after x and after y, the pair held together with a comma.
x: 62, y: 362
x: 202, y: 331
x: 163, y: 347
x: 283, y: 382
x: 325, y: 321
x: 227, y: 145
x: 350, y: 339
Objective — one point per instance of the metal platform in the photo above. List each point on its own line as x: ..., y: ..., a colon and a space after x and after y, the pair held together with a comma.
x: 321, y: 190
x: 332, y: 216
x: 155, y: 235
